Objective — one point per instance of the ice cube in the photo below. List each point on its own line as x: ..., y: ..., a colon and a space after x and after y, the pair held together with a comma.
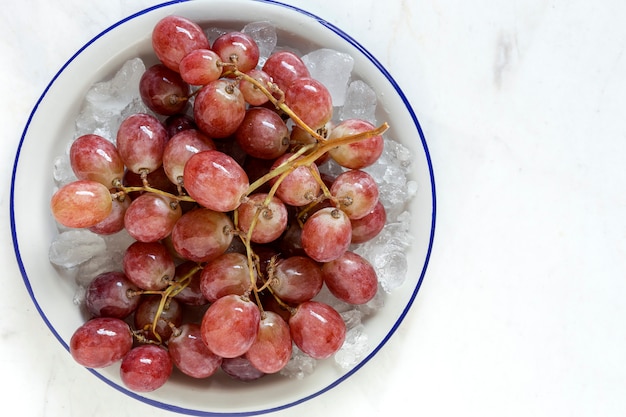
x: 107, y: 102
x: 264, y: 34
x: 333, y: 69
x: 75, y: 247
x: 299, y: 366
x: 360, y: 102
x: 62, y: 170
x: 354, y: 348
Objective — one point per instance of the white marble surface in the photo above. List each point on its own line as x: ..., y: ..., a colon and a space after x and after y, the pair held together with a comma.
x: 522, y: 309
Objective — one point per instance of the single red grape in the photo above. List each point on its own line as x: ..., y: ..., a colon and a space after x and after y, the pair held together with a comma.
x: 101, y: 342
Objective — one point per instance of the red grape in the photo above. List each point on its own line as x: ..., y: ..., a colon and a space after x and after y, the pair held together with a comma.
x: 180, y: 148
x: 92, y: 157
x: 100, y: 342
x: 317, y: 329
x: 151, y: 217
x: 172, y: 315
x: 141, y: 139
x: 359, y: 154
x: 219, y: 108
x: 237, y: 48
x: 110, y: 294
x: 82, y: 203
x: 173, y: 37
x: 272, y: 348
x: 251, y: 93
x: 299, y: 187
x: 356, y: 192
x: 190, y: 354
x: 311, y: 101
x: 163, y: 90
x: 326, y: 234
x: 351, y: 278
x: 263, y: 134
x: 149, y: 265
x: 297, y: 279
x: 370, y: 225
x: 215, y: 180
x: 227, y: 274
x: 271, y: 221
x: 241, y: 369
x: 200, y: 67
x: 201, y: 235
x: 230, y: 325
x: 146, y: 368
x: 176, y: 123
x: 114, y: 222
x: 191, y: 294
x: 284, y: 67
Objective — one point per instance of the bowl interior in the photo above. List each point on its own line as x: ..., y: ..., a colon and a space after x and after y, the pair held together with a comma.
x: 52, y: 123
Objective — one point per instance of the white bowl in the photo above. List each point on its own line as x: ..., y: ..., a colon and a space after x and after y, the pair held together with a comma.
x: 52, y: 122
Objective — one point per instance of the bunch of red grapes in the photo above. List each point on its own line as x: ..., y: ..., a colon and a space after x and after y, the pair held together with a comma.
x: 230, y: 215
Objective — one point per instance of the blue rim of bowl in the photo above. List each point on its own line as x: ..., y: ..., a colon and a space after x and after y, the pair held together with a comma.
x: 187, y: 411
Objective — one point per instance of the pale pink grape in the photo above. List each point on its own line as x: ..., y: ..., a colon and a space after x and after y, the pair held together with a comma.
x: 82, y: 203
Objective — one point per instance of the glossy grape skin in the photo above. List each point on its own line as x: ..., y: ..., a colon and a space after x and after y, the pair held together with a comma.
x: 263, y: 134
x: 356, y: 191
x: 180, y: 148
x: 110, y: 294
x: 351, y: 278
x: 299, y: 187
x: 272, y: 348
x: 202, y: 235
x: 297, y: 279
x: 284, y: 67
x: 215, y: 180
x: 151, y: 217
x: 219, y: 108
x: 317, y: 329
x: 327, y: 234
x: 94, y: 158
x: 271, y: 221
x: 140, y: 140
x: 251, y: 93
x: 145, y: 314
x: 114, y: 222
x: 173, y: 37
x: 146, y: 368
x: 227, y: 274
x: 81, y: 203
x: 163, y: 90
x: 369, y: 226
x: 200, y: 67
x: 230, y: 325
x: 359, y: 154
x: 241, y: 369
x: 101, y: 342
x: 311, y: 101
x: 190, y: 354
x: 238, y: 48
x: 149, y: 265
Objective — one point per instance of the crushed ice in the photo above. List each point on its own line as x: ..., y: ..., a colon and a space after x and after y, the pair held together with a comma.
x: 107, y: 103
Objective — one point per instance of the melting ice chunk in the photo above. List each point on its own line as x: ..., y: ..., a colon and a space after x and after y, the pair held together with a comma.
x: 107, y: 102
x: 75, y: 247
x: 360, y: 102
x: 354, y: 348
x: 333, y: 69
x: 264, y: 34
x: 299, y: 366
